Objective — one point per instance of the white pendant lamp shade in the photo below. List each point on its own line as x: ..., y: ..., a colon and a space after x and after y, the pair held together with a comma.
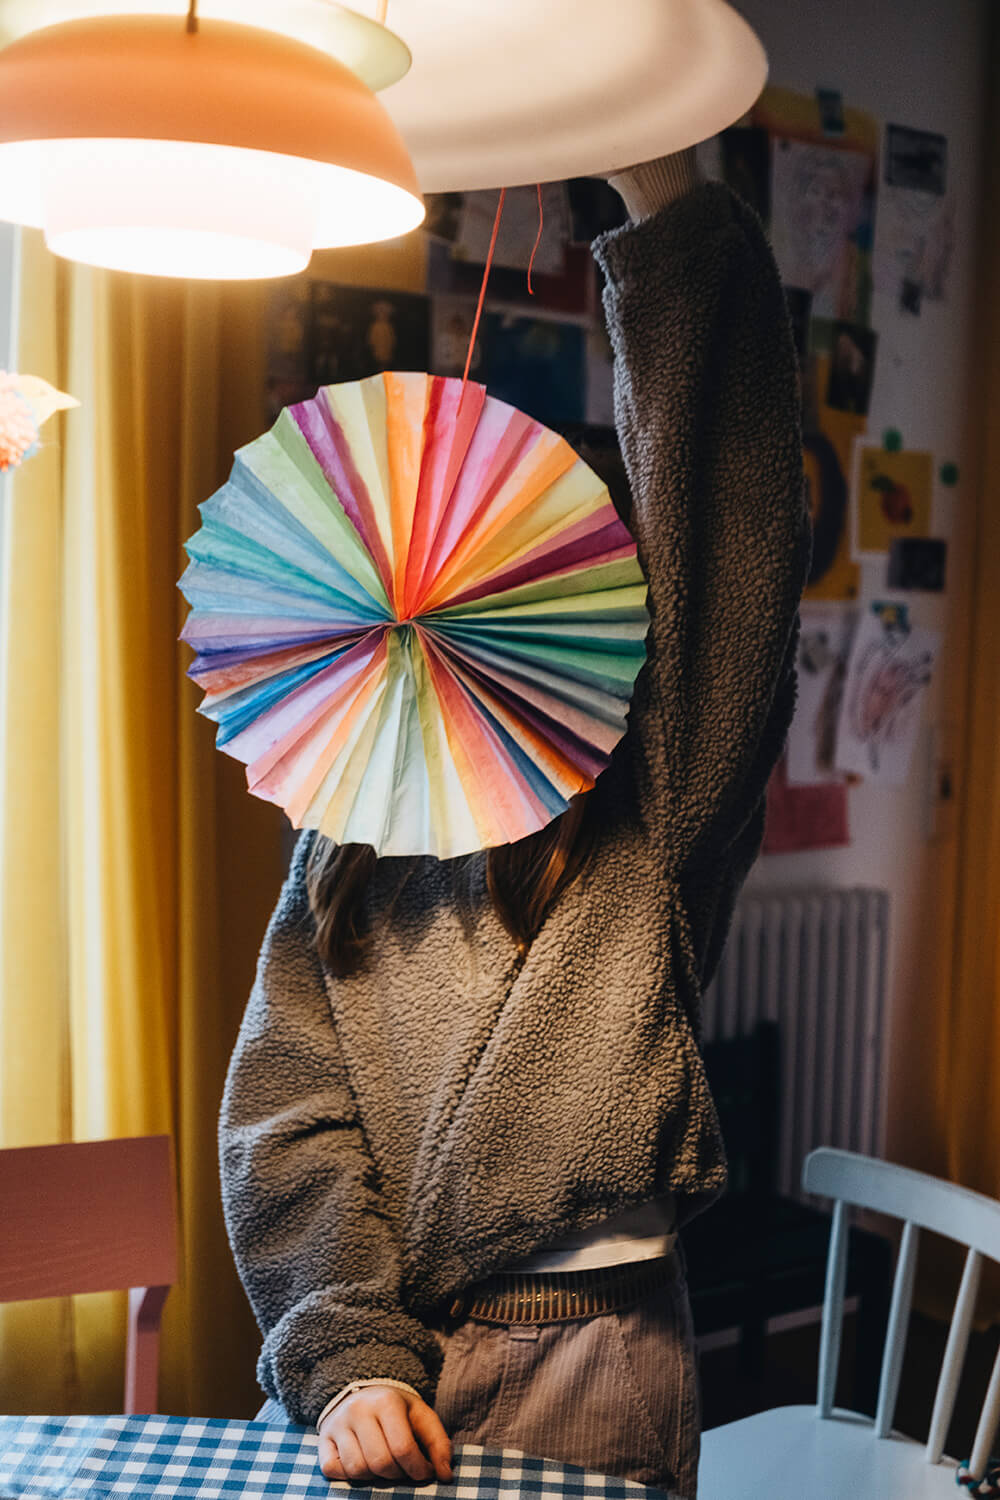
x: 226, y: 151
x: 507, y: 92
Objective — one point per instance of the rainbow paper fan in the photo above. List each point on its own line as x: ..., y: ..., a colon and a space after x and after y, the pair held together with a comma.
x: 417, y: 617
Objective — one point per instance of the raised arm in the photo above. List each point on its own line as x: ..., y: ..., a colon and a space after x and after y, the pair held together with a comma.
x: 707, y: 411
x: 313, y: 1241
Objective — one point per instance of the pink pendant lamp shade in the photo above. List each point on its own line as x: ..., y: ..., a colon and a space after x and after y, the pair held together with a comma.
x: 225, y: 151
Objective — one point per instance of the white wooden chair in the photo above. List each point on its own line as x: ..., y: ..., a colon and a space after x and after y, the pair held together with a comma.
x: 824, y: 1451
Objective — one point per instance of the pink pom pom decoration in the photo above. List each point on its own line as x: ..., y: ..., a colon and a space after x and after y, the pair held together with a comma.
x: 18, y: 432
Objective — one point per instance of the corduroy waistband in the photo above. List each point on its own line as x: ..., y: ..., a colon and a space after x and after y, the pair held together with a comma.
x: 557, y: 1296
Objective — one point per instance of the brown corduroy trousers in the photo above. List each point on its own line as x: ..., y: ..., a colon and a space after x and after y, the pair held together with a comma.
x: 617, y: 1393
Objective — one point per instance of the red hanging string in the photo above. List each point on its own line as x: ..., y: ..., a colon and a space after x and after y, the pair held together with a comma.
x: 486, y: 272
x: 482, y: 290
x: 538, y: 239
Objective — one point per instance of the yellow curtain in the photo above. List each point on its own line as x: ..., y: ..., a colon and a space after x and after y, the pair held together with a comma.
x: 136, y: 874
x: 969, y: 1046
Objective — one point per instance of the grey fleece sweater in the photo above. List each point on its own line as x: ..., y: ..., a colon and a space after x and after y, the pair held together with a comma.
x: 390, y: 1138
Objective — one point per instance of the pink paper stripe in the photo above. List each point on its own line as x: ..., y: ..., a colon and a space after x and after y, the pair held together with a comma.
x: 449, y: 428
x: 202, y: 626
x: 503, y: 799
x: 240, y: 670
x: 502, y: 437
x: 508, y: 710
x: 584, y: 545
x: 584, y: 740
x: 282, y: 769
x: 296, y: 707
x: 330, y: 449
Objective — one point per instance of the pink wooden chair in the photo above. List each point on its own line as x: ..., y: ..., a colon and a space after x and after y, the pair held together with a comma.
x: 94, y: 1216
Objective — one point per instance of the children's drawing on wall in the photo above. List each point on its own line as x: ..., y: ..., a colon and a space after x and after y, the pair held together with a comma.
x: 887, y: 675
x: 537, y: 364
x: 569, y: 288
x: 594, y: 208
x: 833, y: 574
x: 821, y: 223
x: 452, y: 319
x: 443, y: 218
x: 799, y: 304
x: 820, y: 157
x: 745, y: 163
x: 518, y: 229
x: 852, y: 368
x: 354, y: 332
x: 600, y: 403
x: 804, y: 817
x: 916, y: 226
x: 918, y: 563
x: 287, y: 338
x: 824, y: 648
x: 893, y: 493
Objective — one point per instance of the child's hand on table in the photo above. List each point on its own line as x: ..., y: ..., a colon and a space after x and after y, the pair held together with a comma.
x: 383, y: 1434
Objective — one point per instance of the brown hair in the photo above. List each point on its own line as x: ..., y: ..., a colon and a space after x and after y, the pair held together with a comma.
x: 524, y: 879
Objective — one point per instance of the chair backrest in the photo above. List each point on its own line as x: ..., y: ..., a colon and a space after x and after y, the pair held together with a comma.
x: 94, y: 1216
x: 91, y: 1216
x: 921, y: 1202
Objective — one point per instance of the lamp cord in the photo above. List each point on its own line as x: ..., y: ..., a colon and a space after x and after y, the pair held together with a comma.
x: 380, y: 10
x: 192, y: 17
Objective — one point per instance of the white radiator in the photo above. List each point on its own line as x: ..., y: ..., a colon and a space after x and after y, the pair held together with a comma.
x: 814, y: 961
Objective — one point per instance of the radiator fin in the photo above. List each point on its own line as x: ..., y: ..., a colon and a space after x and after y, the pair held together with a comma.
x: 815, y: 962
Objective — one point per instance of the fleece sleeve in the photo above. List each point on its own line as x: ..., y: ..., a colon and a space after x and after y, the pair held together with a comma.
x: 707, y: 411
x: 312, y: 1238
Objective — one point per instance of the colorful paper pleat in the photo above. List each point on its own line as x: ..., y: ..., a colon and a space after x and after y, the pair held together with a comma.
x: 417, y: 616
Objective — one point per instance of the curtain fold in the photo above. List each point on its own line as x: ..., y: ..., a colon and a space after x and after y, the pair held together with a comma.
x: 136, y: 874
x: 968, y: 1103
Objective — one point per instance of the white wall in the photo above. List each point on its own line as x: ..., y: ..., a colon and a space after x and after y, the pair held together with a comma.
x: 920, y: 64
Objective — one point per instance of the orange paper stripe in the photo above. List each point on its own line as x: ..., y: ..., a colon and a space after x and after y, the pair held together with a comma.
x: 406, y: 399
x: 495, y: 792
x: 291, y: 752
x: 547, y: 463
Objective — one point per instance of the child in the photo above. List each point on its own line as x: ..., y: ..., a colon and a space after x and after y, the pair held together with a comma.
x: 467, y: 1110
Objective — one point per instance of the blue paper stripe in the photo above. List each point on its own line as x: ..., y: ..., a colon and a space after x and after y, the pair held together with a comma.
x: 238, y: 710
x: 224, y: 551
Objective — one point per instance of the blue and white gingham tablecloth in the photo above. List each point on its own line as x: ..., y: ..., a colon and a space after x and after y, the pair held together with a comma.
x: 184, y: 1458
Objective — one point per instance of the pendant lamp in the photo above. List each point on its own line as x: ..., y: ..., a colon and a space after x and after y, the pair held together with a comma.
x: 362, y: 42
x: 234, y: 149
x: 205, y: 148
x: 504, y: 93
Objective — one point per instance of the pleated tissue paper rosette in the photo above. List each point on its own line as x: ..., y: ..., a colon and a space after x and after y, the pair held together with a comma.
x: 417, y: 617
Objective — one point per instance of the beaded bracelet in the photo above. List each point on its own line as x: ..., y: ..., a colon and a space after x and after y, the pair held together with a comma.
x: 359, y: 1385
